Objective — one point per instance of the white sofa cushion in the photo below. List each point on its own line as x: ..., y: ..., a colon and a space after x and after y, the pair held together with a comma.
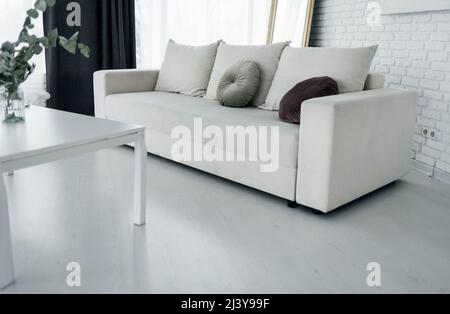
x: 162, y: 112
x: 375, y: 81
x: 186, y: 69
x: 267, y: 57
x: 348, y: 66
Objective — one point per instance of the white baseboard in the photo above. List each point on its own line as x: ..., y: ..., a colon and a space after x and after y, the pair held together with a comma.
x: 423, y: 168
x: 431, y: 171
x: 442, y: 176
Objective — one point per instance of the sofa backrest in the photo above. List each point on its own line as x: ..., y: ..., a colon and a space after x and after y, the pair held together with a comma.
x: 349, y: 67
x: 375, y: 81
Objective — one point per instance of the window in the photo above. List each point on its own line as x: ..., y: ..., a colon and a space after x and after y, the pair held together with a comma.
x: 10, y: 26
x: 197, y: 22
x: 292, y: 21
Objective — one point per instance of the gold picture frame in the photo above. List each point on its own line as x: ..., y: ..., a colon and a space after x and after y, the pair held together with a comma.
x: 308, y: 22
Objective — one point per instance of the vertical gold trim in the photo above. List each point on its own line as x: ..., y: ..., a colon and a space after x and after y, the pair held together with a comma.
x: 308, y: 23
x: 272, y: 20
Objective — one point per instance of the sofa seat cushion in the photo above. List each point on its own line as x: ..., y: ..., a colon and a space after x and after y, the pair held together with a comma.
x: 162, y: 112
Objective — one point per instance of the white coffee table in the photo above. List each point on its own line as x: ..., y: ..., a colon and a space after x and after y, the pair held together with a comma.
x: 49, y: 135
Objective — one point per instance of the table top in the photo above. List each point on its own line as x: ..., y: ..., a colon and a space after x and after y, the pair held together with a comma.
x: 48, y: 129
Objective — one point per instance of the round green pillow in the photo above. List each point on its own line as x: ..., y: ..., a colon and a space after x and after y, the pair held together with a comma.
x: 239, y: 84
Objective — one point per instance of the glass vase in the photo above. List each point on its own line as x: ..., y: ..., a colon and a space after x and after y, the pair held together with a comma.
x: 12, y: 105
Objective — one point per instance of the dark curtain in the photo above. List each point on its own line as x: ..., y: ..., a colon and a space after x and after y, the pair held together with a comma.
x: 108, y: 28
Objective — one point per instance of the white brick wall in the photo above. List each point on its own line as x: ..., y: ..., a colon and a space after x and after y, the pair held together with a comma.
x: 414, y: 53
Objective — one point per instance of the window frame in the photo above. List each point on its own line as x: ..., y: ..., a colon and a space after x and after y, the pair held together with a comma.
x: 308, y: 22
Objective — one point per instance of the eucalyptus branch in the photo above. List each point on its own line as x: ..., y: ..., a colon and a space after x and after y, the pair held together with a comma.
x: 15, y: 66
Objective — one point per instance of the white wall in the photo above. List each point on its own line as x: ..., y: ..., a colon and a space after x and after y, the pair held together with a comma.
x: 414, y: 53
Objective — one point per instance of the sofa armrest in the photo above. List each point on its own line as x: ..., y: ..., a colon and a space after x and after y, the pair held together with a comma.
x: 109, y: 82
x: 353, y: 144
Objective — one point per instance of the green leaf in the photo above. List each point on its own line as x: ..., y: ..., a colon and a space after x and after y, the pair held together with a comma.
x: 33, y: 13
x: 33, y: 39
x: 52, y: 37
x: 51, y: 3
x: 27, y: 22
x: 8, y: 47
x: 37, y: 50
x: 45, y: 42
x: 23, y: 36
x: 3, y: 67
x: 68, y: 44
x: 40, y: 5
x: 75, y: 36
x: 84, y: 50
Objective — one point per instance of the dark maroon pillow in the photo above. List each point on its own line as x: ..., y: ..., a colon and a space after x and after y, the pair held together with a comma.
x: 290, y: 106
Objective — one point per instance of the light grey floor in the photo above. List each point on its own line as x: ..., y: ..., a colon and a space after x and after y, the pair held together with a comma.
x: 207, y: 235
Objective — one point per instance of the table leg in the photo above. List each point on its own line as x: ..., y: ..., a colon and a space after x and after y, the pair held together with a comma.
x: 6, y: 257
x: 140, y: 180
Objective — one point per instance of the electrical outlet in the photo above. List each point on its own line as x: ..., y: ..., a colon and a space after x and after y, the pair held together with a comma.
x: 430, y: 133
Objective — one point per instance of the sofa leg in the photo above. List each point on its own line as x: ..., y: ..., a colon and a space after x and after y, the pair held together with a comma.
x: 317, y: 212
x: 291, y: 204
